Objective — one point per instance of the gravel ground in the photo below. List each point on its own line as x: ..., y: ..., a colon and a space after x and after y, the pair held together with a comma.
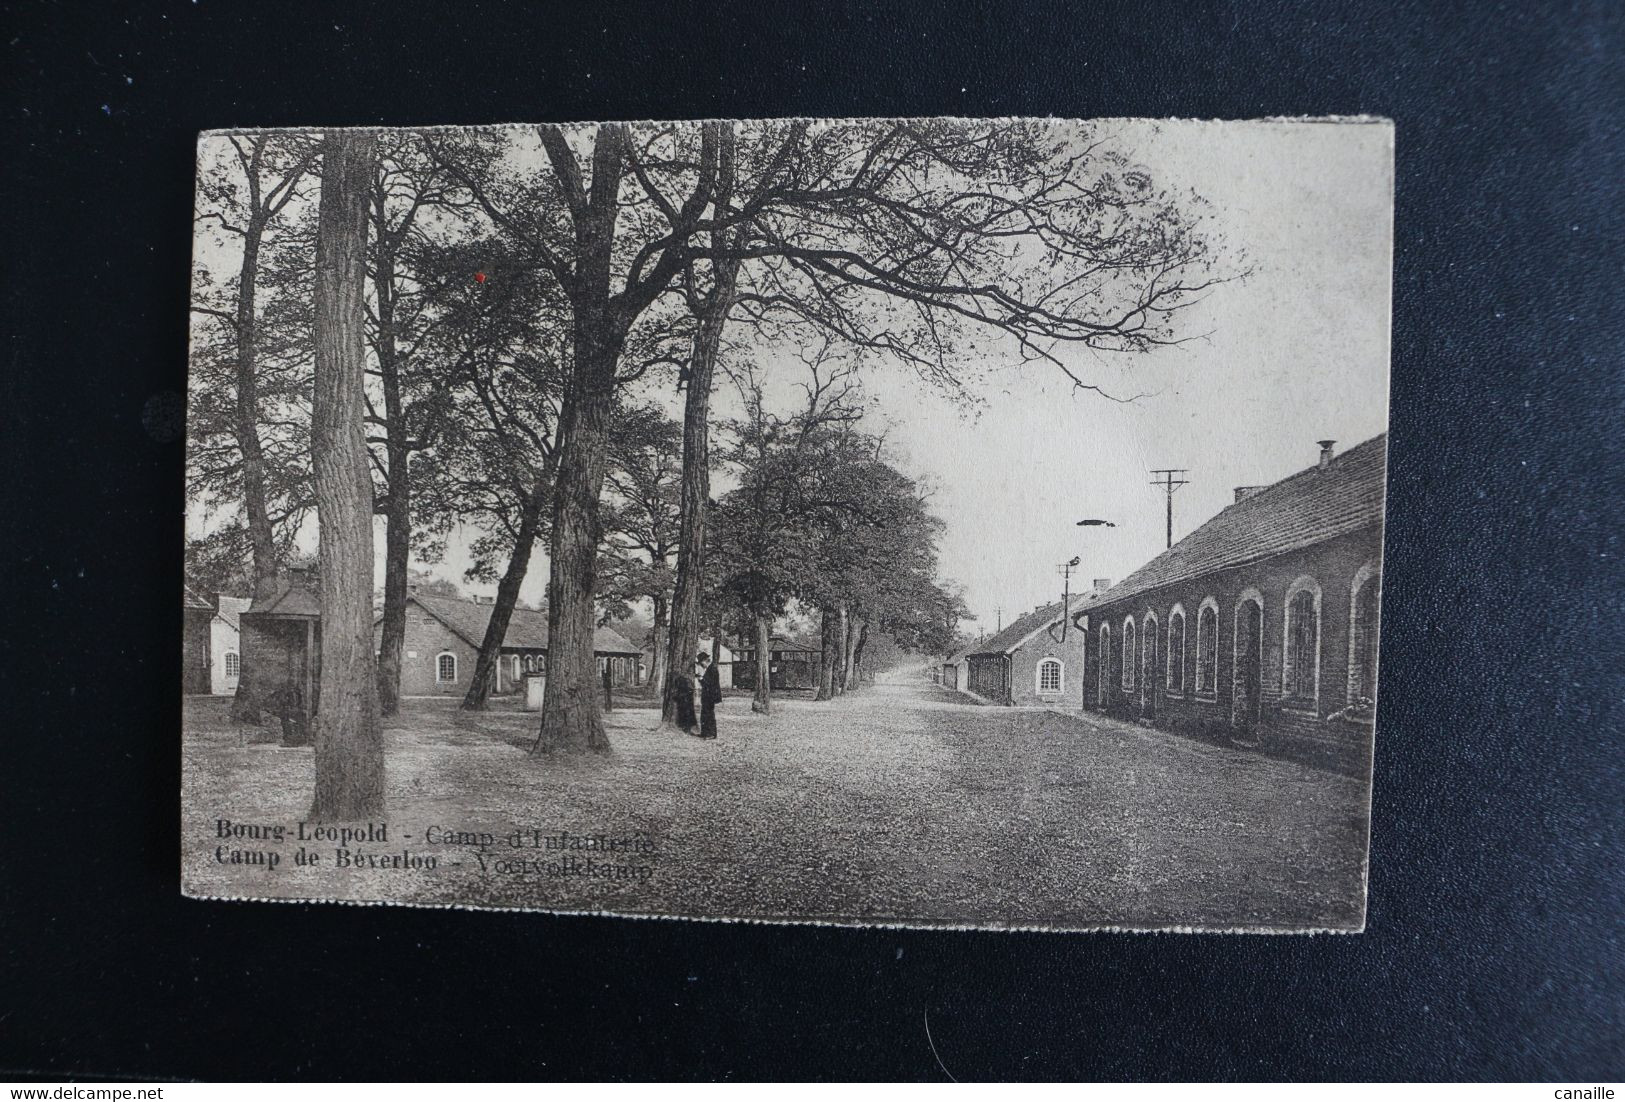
x: 899, y: 803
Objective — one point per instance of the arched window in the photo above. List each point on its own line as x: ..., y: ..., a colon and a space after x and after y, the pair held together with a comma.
x: 1247, y: 660
x: 1130, y: 654
x: 1176, y: 650
x: 1050, y: 675
x: 1207, y: 647
x: 1300, y: 673
x: 234, y: 665
x: 1103, y: 662
x: 1365, y: 602
x: 1148, y: 648
x: 445, y: 666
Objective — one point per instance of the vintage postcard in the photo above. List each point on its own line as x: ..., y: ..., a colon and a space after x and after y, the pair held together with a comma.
x: 924, y: 522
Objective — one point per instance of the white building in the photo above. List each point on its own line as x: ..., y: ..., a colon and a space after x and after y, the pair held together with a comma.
x: 225, y: 647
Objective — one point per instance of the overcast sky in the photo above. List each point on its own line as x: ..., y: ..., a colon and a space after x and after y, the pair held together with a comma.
x: 1296, y: 353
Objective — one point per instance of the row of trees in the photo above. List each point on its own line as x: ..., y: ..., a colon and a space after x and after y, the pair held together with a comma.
x: 521, y: 291
x: 820, y: 517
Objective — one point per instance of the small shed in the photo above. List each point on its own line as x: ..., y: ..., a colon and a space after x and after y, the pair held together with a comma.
x: 281, y: 637
x: 792, y: 664
x: 955, y: 673
x: 198, y: 614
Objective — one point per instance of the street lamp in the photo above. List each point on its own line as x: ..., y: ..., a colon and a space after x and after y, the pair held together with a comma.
x: 1066, y: 569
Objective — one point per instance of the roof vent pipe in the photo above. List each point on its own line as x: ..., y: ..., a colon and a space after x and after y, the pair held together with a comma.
x: 1325, y: 452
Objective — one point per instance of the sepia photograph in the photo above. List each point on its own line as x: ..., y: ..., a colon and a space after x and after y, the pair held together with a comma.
x: 926, y: 522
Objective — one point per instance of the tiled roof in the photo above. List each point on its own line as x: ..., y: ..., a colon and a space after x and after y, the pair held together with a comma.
x: 190, y: 599
x: 527, y: 629
x: 232, y: 607
x: 293, y: 597
x: 1307, y: 508
x: 1009, y: 637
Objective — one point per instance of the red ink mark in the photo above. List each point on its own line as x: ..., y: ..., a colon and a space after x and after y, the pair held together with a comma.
x: 479, y: 277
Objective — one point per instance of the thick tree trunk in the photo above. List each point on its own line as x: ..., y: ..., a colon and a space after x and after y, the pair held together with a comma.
x: 571, y: 719
x: 843, y: 635
x: 763, y: 700
x: 829, y: 623
x: 849, y: 664
x: 349, y: 755
x: 857, y: 654
x: 496, y: 628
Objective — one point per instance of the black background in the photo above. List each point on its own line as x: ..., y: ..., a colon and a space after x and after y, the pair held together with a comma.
x: 1497, y: 887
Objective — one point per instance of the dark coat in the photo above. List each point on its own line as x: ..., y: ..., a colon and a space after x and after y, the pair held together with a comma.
x: 684, y: 691
x: 711, y: 686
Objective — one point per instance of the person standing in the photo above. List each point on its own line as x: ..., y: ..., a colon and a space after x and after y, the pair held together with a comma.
x: 683, y: 702
x: 710, y: 696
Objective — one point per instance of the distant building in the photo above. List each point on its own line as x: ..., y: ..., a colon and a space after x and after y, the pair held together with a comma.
x: 792, y: 664
x: 444, y: 635
x: 955, y: 672
x: 1262, y: 623
x: 1036, y: 660
x: 225, y: 646
x: 724, y: 660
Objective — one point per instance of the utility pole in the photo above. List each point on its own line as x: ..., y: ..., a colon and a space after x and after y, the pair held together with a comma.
x: 1171, y: 479
x: 998, y: 610
x: 1065, y: 569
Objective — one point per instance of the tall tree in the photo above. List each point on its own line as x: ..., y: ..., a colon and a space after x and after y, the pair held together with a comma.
x: 609, y: 271
x: 900, y: 238
x: 272, y: 167
x: 710, y: 301
x: 473, y: 424
x: 767, y: 528
x: 349, y: 754
x: 502, y: 470
x: 410, y: 187
x: 642, y: 520
x: 908, y: 238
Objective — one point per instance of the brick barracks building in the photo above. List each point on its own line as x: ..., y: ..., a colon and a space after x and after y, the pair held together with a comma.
x: 1033, y: 662
x: 1260, y: 627
x: 442, y: 646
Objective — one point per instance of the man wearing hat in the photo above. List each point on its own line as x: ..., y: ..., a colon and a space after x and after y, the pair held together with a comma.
x: 710, y: 695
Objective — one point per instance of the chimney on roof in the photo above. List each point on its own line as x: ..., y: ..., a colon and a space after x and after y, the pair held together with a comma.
x: 1245, y: 492
x: 485, y: 600
x: 1325, y: 452
x: 1101, y: 584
